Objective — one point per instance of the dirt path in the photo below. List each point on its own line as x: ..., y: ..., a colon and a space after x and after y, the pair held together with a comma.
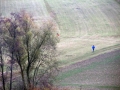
x: 101, y: 71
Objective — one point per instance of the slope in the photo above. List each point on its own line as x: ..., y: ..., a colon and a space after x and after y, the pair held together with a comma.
x: 101, y: 71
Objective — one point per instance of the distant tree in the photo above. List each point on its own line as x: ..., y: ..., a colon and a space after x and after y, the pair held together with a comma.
x: 34, y: 50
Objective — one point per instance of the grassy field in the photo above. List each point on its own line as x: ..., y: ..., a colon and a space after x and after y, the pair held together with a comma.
x: 77, y: 49
x: 82, y: 23
x: 101, y: 73
x: 76, y: 18
x: 83, y: 17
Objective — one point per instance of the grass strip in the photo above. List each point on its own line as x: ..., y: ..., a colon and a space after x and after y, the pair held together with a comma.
x: 91, y: 66
x: 88, y: 55
x: 91, y: 86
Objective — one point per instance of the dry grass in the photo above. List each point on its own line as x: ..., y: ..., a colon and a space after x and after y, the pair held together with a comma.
x: 72, y: 50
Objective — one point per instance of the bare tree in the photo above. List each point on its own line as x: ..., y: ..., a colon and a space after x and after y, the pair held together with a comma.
x: 33, y: 51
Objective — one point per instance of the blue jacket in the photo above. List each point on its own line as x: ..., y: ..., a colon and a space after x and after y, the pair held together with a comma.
x: 93, y: 47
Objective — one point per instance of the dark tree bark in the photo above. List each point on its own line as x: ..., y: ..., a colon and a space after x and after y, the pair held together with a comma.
x: 2, y: 67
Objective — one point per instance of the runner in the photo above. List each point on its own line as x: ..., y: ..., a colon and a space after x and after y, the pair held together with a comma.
x: 93, y: 48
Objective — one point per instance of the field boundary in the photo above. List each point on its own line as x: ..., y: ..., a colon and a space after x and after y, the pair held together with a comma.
x: 91, y: 55
x: 78, y: 86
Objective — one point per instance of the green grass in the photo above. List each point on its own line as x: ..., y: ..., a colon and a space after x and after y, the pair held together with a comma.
x: 98, y: 74
x: 35, y: 8
x: 91, y: 66
x: 80, y: 50
x: 78, y: 17
x: 87, y: 55
x: 78, y: 86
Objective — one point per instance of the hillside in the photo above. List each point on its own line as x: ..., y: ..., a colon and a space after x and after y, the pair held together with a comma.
x: 98, y: 73
x: 76, y: 18
x: 87, y: 17
x: 82, y: 23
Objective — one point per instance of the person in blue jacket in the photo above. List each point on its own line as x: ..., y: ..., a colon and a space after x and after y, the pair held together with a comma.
x: 93, y: 48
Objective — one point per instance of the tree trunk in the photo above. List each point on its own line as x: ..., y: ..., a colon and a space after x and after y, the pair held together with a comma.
x: 11, y: 71
x: 28, y: 76
x: 23, y: 79
x: 3, y: 77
